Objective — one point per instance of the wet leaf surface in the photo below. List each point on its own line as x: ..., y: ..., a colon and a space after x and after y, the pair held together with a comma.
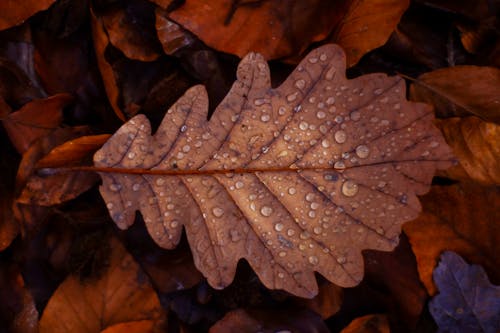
x: 467, y: 301
x: 290, y: 167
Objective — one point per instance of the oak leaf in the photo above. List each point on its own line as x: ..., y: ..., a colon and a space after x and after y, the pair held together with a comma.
x: 467, y: 301
x: 296, y: 180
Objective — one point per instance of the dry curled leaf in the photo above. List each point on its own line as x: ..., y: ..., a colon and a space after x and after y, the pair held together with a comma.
x: 461, y: 90
x: 296, y: 180
x: 476, y: 144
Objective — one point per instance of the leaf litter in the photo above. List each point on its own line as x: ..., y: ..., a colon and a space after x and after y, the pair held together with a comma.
x: 296, y: 180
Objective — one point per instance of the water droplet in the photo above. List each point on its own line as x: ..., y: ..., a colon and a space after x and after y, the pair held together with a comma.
x: 325, y: 143
x: 282, y: 254
x: 265, y: 118
x: 313, y: 260
x: 311, y: 214
x: 321, y: 115
x: 197, y: 144
x: 217, y: 211
x: 291, y: 97
x: 136, y: 187
x: 313, y: 60
x: 300, y: 84
x: 317, y: 230
x: 339, y: 119
x: 183, y: 128
x: 290, y: 232
x: 310, y: 197
x: 292, y: 191
x: 131, y: 155
x: 355, y: 115
x: 278, y: 226
x: 434, y: 144
x: 110, y: 205
x: 339, y: 165
x: 115, y: 187
x: 349, y: 188
x: 259, y: 101
x: 362, y: 151
x: 235, y: 235
x: 266, y: 211
x: 330, y: 74
x: 170, y: 206
x: 174, y: 223
x: 314, y: 205
x: 378, y: 91
x: 340, y: 136
x: 238, y: 185
x: 341, y: 260
x: 304, y: 235
x: 186, y: 148
x: 160, y: 181
x: 283, y: 153
x: 330, y: 100
x: 206, y: 136
x: 323, y: 57
x: 303, y: 125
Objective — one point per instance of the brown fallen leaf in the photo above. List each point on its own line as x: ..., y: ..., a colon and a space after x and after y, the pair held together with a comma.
x: 270, y: 321
x: 34, y: 120
x: 460, y: 91
x: 376, y: 323
x: 101, y: 41
x: 42, y: 189
x: 130, y: 29
x: 462, y: 218
x: 284, y: 29
x: 327, y: 302
x: 296, y: 180
x: 15, y: 12
x: 121, y: 295
x: 476, y: 144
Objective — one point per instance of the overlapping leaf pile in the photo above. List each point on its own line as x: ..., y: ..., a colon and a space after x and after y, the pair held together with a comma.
x: 296, y: 180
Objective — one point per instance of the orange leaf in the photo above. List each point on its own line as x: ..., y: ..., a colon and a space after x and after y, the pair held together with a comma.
x: 477, y: 146
x: 35, y: 120
x: 282, y: 29
x: 296, y: 180
x: 368, y: 324
x: 461, y: 218
x: 121, y: 295
x: 16, y: 12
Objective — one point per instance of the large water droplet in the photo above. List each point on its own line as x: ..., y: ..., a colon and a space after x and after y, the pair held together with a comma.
x: 292, y: 191
x: 278, y: 226
x: 362, y: 151
x: 313, y: 260
x: 291, y: 97
x: 340, y: 136
x: 131, y: 155
x: 349, y: 188
x: 303, y: 125
x: 266, y: 211
x: 300, y: 84
x: 217, y: 211
x: 265, y: 118
x: 239, y: 185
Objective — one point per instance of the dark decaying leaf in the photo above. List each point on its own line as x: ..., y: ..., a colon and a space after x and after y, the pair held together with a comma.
x: 123, y: 294
x: 467, y: 301
x: 295, y: 179
x: 461, y: 217
x: 35, y: 120
x: 368, y: 324
x: 270, y: 321
x: 15, y: 12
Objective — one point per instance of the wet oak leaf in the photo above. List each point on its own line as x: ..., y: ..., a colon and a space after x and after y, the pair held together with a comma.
x: 467, y: 301
x: 122, y: 295
x: 296, y: 180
